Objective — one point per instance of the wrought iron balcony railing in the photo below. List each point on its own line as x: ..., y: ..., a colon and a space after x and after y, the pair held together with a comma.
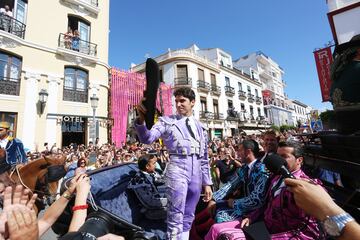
x: 251, y: 97
x: 232, y: 114
x: 229, y: 90
x: 75, y: 96
x: 10, y: 86
x: 206, y: 115
x: 183, y: 81
x: 12, y: 25
x: 218, y: 116
x: 258, y: 100
x: 76, y: 44
x: 242, y: 95
x: 215, y: 89
x: 203, y: 85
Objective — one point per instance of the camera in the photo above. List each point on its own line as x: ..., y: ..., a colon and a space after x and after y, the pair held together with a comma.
x: 96, y: 225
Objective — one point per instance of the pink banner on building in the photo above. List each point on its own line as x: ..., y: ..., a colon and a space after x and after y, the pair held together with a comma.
x: 323, y: 59
x: 126, y: 92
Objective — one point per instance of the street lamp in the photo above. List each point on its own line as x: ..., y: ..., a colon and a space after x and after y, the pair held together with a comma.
x: 43, y: 96
x: 94, y: 104
x: 207, y: 115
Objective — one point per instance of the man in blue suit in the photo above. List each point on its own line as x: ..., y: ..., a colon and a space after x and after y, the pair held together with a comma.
x: 252, y: 180
x: 15, y: 153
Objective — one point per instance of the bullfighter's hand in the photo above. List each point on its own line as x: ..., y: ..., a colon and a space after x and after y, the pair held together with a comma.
x: 141, y: 111
x: 207, y: 194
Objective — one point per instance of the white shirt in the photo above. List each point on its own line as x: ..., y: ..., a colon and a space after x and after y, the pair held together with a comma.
x: 251, y: 166
x: 193, y: 126
x: 4, y: 142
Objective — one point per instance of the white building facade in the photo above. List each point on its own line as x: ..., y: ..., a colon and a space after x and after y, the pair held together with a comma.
x: 299, y: 112
x: 228, y: 100
x: 265, y: 70
x: 48, y: 77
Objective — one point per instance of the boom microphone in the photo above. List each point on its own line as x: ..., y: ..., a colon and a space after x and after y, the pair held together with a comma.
x: 277, y: 165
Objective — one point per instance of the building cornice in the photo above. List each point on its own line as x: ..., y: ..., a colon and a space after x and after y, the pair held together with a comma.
x: 180, y: 55
x: 241, y: 75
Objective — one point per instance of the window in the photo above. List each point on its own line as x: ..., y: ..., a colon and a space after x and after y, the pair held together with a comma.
x: 242, y: 107
x: 81, y: 28
x: 181, y: 71
x: 75, y: 85
x: 259, y: 111
x: 216, y: 107
x: 81, y: 25
x: 230, y: 104
x: 240, y: 86
x: 256, y: 93
x: 17, y: 8
x: 213, y: 79
x: 252, y: 74
x: 249, y: 89
x: 10, y: 70
x: 227, y: 81
x: 251, y: 110
x: 201, y: 74
x: 10, y: 118
x: 203, y: 104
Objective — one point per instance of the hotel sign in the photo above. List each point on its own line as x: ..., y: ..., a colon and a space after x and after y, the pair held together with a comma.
x: 72, y: 119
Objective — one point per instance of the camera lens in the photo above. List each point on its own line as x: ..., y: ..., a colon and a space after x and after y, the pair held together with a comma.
x: 96, y: 225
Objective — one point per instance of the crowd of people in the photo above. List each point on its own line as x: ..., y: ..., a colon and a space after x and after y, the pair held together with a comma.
x: 229, y: 177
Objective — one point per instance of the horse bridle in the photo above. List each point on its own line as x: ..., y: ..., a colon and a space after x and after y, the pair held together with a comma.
x: 46, y: 193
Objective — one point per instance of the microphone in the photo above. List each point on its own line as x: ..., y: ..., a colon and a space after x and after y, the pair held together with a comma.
x: 277, y: 165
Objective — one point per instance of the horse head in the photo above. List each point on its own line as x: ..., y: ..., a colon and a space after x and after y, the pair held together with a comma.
x: 41, y: 176
x: 55, y: 171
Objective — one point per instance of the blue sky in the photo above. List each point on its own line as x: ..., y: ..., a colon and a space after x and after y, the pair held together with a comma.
x: 287, y: 31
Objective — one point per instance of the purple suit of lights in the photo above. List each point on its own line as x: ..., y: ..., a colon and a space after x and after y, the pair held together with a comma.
x: 187, y: 171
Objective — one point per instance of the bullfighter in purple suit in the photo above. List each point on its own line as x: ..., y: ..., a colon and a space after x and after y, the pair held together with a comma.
x: 188, y: 170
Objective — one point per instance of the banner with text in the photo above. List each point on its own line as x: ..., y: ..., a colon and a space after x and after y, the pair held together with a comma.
x: 323, y: 59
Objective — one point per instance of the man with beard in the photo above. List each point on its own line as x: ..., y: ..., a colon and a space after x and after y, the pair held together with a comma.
x: 270, y: 144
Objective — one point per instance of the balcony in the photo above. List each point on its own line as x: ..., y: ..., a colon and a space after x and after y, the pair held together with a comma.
x: 85, y: 6
x: 203, y: 86
x: 75, y: 96
x: 266, y: 74
x: 215, y: 90
x: 258, y: 100
x: 183, y: 82
x: 229, y: 91
x: 252, y: 118
x: 251, y: 98
x: 206, y: 115
x: 77, y: 50
x: 10, y: 86
x: 232, y: 115
x: 12, y: 26
x: 218, y: 117
x: 242, y: 95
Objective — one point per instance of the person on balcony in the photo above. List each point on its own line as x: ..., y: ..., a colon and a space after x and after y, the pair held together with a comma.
x: 68, y: 36
x: 5, y: 18
x: 76, y: 40
x: 6, y: 11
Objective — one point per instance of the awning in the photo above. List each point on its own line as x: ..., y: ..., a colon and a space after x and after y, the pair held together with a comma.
x: 251, y: 131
